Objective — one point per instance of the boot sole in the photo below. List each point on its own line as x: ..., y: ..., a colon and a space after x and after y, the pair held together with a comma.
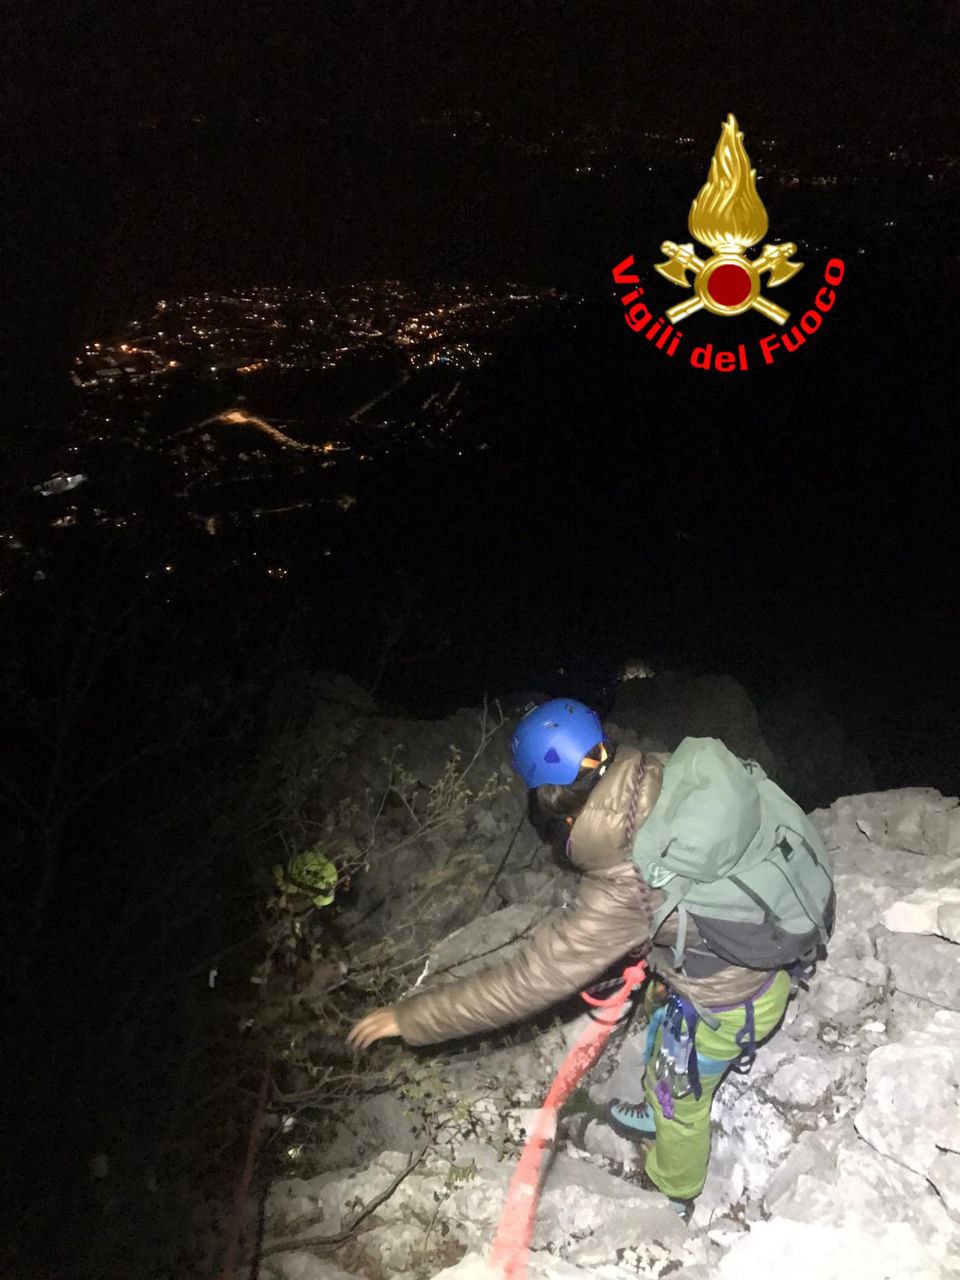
x: 632, y: 1135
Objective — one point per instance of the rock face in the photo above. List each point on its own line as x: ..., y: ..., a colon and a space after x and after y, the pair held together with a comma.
x: 342, y: 756
x: 912, y: 819
x: 796, y: 739
x: 926, y: 911
x: 815, y: 760
x: 663, y: 710
x: 838, y: 1157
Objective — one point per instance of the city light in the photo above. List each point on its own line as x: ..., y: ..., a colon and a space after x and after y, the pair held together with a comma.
x: 284, y: 440
x: 289, y: 330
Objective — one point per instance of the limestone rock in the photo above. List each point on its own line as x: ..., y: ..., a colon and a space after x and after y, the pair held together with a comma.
x: 945, y: 1175
x: 797, y: 1251
x: 670, y: 708
x: 534, y: 887
x: 841, y: 1000
x: 600, y: 1140
x: 482, y: 942
x: 853, y: 951
x: 926, y: 967
x: 292, y: 1200
x: 910, y: 1110
x: 376, y: 1124
x: 753, y: 1139
x: 815, y: 1153
x: 397, y: 1246
x: 646, y: 1239
x: 808, y: 1079
x: 921, y: 910
x: 624, y: 1080
x: 473, y: 1266
x: 864, y: 1188
x: 864, y: 893
x: 300, y: 1265
x: 917, y: 819
x: 948, y: 922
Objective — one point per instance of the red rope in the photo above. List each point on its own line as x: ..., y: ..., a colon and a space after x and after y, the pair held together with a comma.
x: 512, y: 1243
x: 243, y: 1186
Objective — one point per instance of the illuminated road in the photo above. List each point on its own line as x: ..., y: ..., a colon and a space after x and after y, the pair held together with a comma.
x: 358, y: 413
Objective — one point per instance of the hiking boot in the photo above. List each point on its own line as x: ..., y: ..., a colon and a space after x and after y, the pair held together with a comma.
x: 634, y: 1120
x: 683, y: 1209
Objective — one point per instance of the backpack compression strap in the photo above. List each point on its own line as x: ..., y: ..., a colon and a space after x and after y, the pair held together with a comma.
x: 809, y: 904
x: 676, y: 892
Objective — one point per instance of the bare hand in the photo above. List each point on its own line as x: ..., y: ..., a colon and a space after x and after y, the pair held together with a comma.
x: 375, y: 1026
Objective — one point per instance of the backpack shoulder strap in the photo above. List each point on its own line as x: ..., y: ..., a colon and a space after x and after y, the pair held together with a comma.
x: 680, y: 945
x: 675, y: 890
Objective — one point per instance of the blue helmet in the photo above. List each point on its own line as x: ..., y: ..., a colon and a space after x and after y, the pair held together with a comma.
x: 552, y: 739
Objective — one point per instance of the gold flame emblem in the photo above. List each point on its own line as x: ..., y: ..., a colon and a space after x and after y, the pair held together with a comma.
x: 728, y: 216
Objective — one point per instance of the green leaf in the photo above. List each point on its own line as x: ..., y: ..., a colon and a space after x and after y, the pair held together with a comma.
x: 310, y: 873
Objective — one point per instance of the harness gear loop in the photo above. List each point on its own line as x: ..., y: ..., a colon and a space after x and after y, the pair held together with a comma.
x: 676, y: 1070
x: 800, y: 974
x: 747, y: 1042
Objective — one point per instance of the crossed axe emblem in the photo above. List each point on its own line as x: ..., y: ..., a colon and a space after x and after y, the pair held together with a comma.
x: 737, y: 288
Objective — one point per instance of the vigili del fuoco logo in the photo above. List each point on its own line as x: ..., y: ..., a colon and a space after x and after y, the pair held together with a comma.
x: 728, y: 217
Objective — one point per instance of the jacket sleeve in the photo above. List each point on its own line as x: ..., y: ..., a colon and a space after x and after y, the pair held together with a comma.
x: 562, y: 956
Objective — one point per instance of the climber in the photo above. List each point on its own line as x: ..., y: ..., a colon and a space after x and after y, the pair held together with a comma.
x: 696, y: 858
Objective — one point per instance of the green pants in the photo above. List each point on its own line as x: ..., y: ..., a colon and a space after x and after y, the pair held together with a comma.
x: 677, y: 1161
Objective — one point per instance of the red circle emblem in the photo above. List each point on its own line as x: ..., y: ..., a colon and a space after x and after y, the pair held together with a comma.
x: 729, y: 284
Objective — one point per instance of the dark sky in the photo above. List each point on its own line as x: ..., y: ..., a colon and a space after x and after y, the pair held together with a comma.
x: 841, y: 69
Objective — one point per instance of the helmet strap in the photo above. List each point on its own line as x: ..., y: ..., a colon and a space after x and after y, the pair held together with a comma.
x: 589, y: 763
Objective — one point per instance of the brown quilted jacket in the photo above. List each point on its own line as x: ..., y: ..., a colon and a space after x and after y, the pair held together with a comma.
x: 611, y: 917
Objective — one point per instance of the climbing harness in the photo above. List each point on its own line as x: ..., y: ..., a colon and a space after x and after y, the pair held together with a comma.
x: 746, y: 1037
x: 800, y: 974
x: 675, y: 1068
x: 677, y: 1071
x: 511, y: 1245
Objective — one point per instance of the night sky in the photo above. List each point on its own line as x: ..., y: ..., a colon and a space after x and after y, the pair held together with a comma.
x: 787, y: 524
x: 846, y: 71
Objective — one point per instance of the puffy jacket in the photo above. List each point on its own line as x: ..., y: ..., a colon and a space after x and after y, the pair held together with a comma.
x: 611, y: 917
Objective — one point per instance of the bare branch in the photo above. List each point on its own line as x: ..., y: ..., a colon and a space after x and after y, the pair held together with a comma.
x: 328, y: 1242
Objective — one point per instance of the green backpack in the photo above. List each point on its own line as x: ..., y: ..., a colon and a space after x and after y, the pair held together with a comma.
x: 725, y: 844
